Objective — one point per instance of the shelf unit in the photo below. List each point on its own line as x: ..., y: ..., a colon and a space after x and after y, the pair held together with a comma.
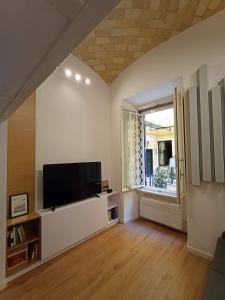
x: 23, y: 242
x: 113, y: 208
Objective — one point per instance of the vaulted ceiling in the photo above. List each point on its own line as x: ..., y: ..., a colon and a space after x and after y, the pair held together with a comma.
x: 134, y: 27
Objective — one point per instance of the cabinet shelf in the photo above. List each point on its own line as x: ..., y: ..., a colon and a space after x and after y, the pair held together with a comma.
x: 111, y: 206
x: 21, y: 267
x: 114, y: 221
x: 28, y: 230
x: 29, y: 240
x: 22, y: 219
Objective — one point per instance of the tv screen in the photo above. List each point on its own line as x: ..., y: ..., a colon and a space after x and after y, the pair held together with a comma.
x: 71, y: 182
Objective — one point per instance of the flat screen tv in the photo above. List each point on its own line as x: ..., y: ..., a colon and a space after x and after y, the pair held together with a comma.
x: 71, y: 182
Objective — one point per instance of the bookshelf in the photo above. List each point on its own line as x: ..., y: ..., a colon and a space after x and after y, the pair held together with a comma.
x: 113, y: 208
x: 23, y: 242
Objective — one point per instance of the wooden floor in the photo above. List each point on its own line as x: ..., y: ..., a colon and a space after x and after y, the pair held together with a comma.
x: 140, y: 260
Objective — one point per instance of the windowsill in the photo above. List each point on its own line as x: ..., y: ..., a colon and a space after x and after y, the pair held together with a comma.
x: 158, y: 195
x: 127, y: 189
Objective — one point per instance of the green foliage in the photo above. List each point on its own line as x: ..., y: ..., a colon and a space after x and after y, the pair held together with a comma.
x: 161, y: 177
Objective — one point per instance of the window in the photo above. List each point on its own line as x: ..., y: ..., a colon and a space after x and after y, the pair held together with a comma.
x: 153, y: 149
x: 160, y: 165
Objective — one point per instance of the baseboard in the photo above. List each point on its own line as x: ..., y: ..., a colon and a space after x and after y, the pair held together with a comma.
x: 3, y: 285
x: 128, y: 220
x: 24, y: 271
x: 199, y: 253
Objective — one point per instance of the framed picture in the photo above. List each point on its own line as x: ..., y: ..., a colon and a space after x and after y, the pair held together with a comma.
x: 18, y: 205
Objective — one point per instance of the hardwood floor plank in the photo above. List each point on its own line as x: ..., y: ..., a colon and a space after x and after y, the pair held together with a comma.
x: 139, y: 260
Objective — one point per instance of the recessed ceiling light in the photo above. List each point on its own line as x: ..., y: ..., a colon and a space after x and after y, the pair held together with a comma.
x: 87, y: 81
x: 68, y: 72
x: 77, y: 77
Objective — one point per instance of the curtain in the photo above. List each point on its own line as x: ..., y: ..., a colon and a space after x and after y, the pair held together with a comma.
x: 133, y: 150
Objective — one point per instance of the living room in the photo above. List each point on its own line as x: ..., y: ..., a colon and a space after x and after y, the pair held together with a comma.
x: 75, y: 116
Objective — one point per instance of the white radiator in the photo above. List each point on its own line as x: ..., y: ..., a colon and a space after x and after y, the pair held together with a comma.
x: 169, y: 214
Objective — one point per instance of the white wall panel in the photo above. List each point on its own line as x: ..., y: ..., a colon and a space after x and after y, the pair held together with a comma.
x: 72, y: 121
x: 70, y: 224
x: 205, y: 125
x: 194, y: 136
x: 218, y: 138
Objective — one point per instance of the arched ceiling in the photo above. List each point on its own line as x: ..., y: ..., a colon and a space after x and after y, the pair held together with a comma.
x: 134, y: 27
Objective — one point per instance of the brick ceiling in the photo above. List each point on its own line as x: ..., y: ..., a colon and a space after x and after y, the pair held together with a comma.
x: 136, y: 26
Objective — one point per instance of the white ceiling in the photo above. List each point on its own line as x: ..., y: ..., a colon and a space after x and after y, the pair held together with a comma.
x: 159, y: 92
x: 36, y: 36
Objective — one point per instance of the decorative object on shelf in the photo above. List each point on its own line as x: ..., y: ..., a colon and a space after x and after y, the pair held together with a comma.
x: 18, y: 205
x: 113, y: 214
x: 105, y: 185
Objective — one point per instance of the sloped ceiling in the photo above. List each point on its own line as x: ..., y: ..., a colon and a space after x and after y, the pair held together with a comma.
x: 36, y: 36
x: 134, y: 27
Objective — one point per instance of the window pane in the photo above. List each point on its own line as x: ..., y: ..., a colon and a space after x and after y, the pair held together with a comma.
x: 160, y: 166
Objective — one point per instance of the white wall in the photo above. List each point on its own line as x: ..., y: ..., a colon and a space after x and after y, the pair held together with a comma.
x: 180, y: 56
x: 3, y: 198
x: 206, y: 216
x: 130, y: 208
x: 72, y: 121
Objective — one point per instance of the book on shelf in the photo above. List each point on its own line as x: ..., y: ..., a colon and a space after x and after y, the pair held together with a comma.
x: 34, y: 251
x: 15, y: 240
x: 16, y: 235
x: 20, y: 234
x: 11, y: 239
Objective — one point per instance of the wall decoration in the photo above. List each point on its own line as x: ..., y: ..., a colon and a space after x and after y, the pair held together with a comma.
x: 207, y: 139
x: 18, y: 205
x: 194, y: 136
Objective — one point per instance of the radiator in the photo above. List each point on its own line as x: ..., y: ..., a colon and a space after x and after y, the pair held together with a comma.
x: 169, y: 214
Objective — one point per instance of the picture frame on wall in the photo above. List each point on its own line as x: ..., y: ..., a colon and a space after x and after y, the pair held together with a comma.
x: 19, y: 205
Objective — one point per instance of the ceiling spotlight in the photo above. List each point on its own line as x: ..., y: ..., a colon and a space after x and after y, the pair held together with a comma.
x: 68, y: 72
x: 77, y: 77
x: 87, y: 81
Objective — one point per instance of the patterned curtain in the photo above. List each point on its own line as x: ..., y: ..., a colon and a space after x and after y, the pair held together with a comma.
x: 136, y: 161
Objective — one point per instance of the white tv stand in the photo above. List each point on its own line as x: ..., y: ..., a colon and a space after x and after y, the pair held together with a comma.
x: 68, y: 225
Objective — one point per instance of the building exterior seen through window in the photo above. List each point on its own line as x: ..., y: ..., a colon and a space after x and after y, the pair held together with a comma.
x: 160, y: 162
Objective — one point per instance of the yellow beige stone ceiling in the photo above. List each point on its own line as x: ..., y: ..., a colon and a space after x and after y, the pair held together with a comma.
x: 136, y: 26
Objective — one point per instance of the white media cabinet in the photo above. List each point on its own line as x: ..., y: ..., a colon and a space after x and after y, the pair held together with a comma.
x: 70, y: 224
